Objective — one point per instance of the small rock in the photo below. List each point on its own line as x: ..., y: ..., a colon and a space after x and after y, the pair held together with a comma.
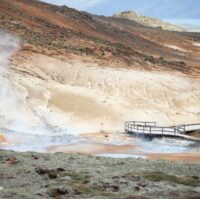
x: 195, y: 177
x: 41, y: 170
x: 116, y: 177
x: 141, y: 184
x: 112, y: 188
x: 55, y: 192
x: 77, y: 192
x: 39, y: 194
x: 60, y: 169
x: 11, y: 160
x: 137, y: 188
x: 35, y: 157
x: 52, y: 173
x: 135, y: 178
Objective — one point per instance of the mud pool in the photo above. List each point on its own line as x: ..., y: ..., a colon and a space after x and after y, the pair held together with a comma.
x: 114, y: 145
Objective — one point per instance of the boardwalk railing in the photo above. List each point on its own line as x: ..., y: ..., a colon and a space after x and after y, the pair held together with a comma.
x: 152, y: 128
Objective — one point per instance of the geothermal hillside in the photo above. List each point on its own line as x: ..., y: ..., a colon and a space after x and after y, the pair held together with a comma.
x: 71, y: 69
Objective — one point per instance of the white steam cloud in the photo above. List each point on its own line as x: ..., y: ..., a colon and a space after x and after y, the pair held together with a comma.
x: 14, y: 114
x: 8, y: 46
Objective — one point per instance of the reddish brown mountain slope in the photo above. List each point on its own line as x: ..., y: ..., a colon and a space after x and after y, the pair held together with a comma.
x: 119, y: 42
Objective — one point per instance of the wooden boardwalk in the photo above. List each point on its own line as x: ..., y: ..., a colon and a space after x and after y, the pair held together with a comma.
x: 150, y: 129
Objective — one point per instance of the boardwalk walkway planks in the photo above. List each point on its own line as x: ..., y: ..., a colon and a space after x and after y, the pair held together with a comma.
x: 150, y: 129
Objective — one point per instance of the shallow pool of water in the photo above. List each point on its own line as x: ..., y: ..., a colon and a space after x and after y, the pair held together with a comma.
x: 23, y: 142
x: 165, y: 145
x: 121, y: 155
x: 40, y: 143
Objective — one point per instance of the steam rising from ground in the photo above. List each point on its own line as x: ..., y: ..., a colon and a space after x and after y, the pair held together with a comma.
x: 26, y: 125
x: 8, y: 46
x: 9, y: 102
x: 15, y: 113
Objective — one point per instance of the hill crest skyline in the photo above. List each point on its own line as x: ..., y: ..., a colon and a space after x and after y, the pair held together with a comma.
x: 156, y: 8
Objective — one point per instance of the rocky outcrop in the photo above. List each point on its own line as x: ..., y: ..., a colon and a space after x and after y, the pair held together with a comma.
x: 147, y: 21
